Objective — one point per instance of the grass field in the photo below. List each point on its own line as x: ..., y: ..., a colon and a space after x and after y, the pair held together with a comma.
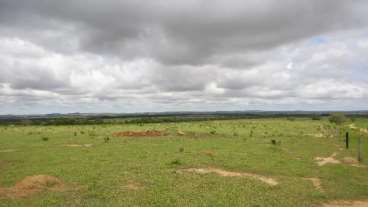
x: 99, y: 169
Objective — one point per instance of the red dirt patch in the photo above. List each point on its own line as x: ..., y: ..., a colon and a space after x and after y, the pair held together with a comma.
x: 33, y: 184
x: 148, y: 133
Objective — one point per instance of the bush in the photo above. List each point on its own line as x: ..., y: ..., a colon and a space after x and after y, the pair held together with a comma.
x: 337, y: 118
x: 316, y: 117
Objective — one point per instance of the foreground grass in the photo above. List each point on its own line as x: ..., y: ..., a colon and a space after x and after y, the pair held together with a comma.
x: 104, y: 170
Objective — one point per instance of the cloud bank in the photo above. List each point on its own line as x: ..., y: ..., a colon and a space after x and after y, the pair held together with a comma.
x: 134, y: 56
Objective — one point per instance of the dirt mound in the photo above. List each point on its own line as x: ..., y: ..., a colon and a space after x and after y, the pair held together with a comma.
x: 224, y: 173
x: 31, y: 185
x: 327, y: 160
x: 148, y: 133
x: 347, y: 204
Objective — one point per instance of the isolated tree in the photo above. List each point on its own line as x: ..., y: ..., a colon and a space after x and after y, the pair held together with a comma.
x: 337, y: 118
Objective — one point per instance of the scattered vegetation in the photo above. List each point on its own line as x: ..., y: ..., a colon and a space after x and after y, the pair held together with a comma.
x: 229, y: 167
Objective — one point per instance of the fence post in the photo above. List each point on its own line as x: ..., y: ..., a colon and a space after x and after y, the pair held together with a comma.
x: 360, y: 158
x: 347, y: 140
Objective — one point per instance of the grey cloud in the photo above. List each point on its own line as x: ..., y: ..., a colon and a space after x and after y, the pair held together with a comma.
x: 189, y: 32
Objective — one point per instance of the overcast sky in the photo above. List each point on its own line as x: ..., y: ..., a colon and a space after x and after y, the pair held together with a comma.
x: 180, y: 55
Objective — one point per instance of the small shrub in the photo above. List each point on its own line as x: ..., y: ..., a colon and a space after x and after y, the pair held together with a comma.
x: 107, y: 139
x: 181, y: 149
x: 176, y: 162
x: 45, y: 139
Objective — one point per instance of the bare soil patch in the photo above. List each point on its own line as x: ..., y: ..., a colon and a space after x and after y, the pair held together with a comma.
x: 332, y: 160
x: 316, y: 182
x: 224, y: 173
x: 133, y: 186
x: 327, y: 160
x: 350, y: 160
x: 148, y: 133
x: 353, y: 162
x: 33, y: 184
x: 347, y: 204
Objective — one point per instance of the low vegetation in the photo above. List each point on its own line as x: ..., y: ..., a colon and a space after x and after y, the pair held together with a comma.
x: 278, y: 162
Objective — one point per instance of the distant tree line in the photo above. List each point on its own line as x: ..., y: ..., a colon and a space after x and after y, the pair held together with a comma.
x: 94, y: 120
